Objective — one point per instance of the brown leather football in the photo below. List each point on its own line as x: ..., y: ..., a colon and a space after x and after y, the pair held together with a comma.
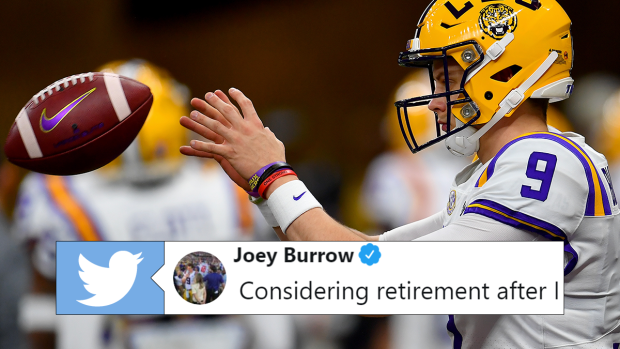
x: 78, y: 124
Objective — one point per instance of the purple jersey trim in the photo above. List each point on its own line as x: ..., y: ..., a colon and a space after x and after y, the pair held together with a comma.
x: 61, y: 212
x: 535, y: 225
x: 458, y: 338
x: 573, y: 148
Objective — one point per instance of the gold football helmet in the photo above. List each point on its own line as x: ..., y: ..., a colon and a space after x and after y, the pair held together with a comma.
x: 155, y: 152
x: 530, y: 38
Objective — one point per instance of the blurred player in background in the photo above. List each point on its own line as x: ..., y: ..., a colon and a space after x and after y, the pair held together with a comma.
x: 608, y: 135
x: 143, y: 195
x: 586, y: 106
x: 399, y: 189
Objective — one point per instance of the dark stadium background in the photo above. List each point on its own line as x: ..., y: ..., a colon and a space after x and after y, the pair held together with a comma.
x: 329, y: 65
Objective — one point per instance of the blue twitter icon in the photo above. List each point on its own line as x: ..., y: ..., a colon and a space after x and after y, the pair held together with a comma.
x: 108, y: 277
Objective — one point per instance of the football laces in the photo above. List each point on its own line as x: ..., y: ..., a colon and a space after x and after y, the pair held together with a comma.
x: 61, y: 84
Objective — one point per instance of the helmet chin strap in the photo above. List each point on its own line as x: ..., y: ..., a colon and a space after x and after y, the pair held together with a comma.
x: 467, y: 142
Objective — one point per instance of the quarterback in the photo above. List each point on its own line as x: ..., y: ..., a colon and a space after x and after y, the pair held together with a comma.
x: 494, y: 66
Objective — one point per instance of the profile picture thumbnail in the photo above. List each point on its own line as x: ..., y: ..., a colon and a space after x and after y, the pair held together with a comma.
x: 199, y: 278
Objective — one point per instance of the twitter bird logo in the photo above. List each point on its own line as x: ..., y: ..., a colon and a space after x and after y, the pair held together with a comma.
x: 109, y: 285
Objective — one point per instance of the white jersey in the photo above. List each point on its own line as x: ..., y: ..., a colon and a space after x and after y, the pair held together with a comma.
x: 199, y: 203
x: 203, y: 269
x: 553, y: 185
x: 189, y: 280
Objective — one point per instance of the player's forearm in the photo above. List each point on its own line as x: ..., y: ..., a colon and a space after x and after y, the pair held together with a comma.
x: 284, y: 237
x: 316, y: 225
x: 280, y: 234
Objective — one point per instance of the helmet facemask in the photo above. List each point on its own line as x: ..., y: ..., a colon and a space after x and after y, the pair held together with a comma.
x: 463, y: 104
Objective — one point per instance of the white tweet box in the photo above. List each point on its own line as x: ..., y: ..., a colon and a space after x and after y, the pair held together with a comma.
x: 409, y: 278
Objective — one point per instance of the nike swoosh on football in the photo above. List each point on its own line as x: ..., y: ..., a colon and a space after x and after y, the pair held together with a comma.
x: 298, y: 197
x: 48, y: 124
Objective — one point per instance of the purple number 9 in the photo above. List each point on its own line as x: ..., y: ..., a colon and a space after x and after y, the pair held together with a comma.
x: 545, y: 176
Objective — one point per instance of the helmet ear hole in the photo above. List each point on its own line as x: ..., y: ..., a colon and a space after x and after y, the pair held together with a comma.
x: 505, y: 75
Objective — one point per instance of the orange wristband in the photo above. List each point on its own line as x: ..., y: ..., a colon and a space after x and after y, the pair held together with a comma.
x: 272, y: 178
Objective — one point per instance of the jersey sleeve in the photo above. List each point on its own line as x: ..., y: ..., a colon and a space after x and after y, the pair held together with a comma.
x: 543, y: 183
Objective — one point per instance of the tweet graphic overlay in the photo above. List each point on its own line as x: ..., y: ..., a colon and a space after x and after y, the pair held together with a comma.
x: 379, y: 278
x: 108, y: 277
x: 310, y: 278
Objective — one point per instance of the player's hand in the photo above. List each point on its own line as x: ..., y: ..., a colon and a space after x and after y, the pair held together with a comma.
x: 207, y: 110
x: 239, y: 137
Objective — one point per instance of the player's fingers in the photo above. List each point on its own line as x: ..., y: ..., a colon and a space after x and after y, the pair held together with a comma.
x: 212, y: 125
x: 228, y: 111
x: 215, y: 149
x: 226, y: 100
x: 201, y: 130
x: 249, y: 113
x: 189, y: 151
x: 209, y: 111
x: 199, y: 104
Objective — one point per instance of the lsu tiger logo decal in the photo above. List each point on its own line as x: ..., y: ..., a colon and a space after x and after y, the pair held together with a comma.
x: 497, y: 20
x: 451, y: 202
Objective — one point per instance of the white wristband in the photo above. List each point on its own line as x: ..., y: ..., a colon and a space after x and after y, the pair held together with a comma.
x: 290, y: 201
x: 265, y: 211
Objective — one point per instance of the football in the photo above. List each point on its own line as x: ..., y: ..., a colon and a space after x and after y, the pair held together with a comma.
x: 78, y: 124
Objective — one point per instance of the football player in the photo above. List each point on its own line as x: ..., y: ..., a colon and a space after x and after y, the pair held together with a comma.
x: 188, y: 280
x: 494, y: 67
x: 203, y: 268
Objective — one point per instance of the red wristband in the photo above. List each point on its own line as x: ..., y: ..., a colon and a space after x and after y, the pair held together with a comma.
x: 269, y: 180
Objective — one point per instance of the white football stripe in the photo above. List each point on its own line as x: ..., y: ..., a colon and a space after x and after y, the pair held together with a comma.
x: 117, y: 95
x: 27, y: 133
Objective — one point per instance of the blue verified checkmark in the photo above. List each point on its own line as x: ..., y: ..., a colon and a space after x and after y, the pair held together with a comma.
x: 370, y: 254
